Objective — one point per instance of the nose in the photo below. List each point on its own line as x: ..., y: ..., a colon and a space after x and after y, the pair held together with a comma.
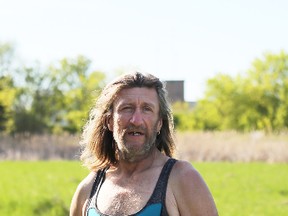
x: 137, y: 118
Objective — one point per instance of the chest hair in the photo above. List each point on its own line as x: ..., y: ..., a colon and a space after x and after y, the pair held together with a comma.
x: 117, y: 199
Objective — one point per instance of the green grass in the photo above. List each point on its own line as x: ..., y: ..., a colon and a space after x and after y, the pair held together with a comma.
x: 247, y: 188
x: 46, y: 188
x: 38, y: 188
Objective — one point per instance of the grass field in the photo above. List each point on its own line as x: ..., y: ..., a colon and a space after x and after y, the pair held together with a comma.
x: 247, y: 188
x: 46, y: 188
x: 38, y: 188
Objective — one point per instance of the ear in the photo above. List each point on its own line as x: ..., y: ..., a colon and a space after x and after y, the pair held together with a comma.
x: 159, y: 125
x: 109, y: 123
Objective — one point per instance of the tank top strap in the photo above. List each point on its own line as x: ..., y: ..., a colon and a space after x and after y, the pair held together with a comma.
x: 159, y: 193
x: 99, y: 179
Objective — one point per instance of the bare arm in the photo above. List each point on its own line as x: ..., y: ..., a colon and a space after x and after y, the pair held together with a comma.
x: 191, y: 192
x: 81, y: 196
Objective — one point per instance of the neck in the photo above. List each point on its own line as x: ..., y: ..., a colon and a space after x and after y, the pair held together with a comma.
x: 128, y: 168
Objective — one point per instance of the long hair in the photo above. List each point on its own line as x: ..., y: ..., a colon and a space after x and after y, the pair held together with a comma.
x: 98, y: 145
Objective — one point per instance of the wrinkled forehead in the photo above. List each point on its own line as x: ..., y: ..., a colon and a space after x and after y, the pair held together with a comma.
x: 138, y: 95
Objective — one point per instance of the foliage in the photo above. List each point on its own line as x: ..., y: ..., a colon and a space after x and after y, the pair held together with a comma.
x: 77, y: 87
x: 256, y: 101
x: 8, y: 90
x: 57, y: 98
x: 46, y: 100
x: 7, y: 95
x: 183, y: 117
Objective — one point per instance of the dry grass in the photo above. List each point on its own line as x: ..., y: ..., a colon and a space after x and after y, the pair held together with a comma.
x: 191, y: 146
x: 44, y: 147
x: 232, y: 147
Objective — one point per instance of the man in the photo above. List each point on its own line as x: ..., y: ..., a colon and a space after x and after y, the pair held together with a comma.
x: 128, y: 143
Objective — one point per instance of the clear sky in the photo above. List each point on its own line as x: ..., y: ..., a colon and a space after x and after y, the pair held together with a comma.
x: 189, y: 40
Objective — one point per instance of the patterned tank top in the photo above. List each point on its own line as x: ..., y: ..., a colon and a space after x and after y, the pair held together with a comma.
x: 156, y: 203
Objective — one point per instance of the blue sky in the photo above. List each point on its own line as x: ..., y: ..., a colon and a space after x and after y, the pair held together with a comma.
x: 173, y: 39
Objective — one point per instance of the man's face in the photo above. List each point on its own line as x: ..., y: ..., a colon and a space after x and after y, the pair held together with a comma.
x: 135, y: 122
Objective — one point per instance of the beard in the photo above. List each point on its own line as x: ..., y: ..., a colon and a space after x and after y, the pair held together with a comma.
x: 131, y: 152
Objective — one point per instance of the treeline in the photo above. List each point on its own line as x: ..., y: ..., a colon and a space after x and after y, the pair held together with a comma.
x: 256, y: 100
x: 56, y: 99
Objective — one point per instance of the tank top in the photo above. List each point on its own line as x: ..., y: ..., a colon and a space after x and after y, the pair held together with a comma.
x: 156, y: 203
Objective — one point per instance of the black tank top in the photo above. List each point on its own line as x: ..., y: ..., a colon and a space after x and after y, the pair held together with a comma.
x: 156, y: 203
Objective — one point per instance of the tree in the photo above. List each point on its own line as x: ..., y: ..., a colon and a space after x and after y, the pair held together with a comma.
x: 46, y: 100
x: 79, y: 86
x: 268, y: 78
x: 8, y: 90
x: 183, y: 116
x: 56, y: 99
x: 7, y: 96
x: 257, y: 101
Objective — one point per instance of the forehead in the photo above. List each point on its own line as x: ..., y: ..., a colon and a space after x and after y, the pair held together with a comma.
x: 137, y: 94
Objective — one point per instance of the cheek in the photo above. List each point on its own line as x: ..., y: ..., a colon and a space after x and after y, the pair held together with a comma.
x: 121, y: 120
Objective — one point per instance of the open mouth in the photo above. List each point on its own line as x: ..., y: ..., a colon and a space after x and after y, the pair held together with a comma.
x: 135, y: 133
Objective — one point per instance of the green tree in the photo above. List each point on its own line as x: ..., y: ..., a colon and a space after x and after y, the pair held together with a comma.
x: 58, y: 98
x: 255, y: 101
x: 183, y: 116
x: 46, y: 100
x: 75, y: 87
x: 31, y: 107
x: 268, y: 82
x: 7, y: 96
x: 8, y: 90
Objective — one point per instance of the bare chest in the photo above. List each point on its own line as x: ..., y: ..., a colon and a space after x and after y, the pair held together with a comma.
x: 115, y: 199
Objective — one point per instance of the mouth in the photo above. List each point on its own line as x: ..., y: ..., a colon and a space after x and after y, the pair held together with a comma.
x: 135, y: 133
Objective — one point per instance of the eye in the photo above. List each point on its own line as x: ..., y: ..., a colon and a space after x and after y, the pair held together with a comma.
x: 147, y: 109
x: 127, y: 109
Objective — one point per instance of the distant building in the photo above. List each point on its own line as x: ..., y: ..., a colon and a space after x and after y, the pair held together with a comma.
x: 175, y: 89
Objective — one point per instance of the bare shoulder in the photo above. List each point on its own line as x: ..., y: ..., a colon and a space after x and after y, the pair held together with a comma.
x: 81, y: 195
x: 184, y: 172
x: 186, y: 178
x: 191, y: 193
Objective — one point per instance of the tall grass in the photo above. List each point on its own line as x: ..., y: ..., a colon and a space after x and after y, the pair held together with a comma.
x: 196, y: 146
x: 39, y: 147
x: 233, y: 147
